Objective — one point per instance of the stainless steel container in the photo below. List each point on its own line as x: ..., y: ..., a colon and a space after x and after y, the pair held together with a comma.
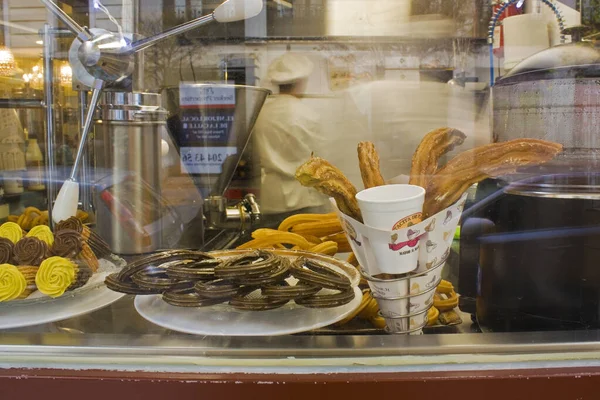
x: 127, y: 150
x: 553, y: 95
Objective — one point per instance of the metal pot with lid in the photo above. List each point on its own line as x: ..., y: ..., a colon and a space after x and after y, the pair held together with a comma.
x: 553, y: 95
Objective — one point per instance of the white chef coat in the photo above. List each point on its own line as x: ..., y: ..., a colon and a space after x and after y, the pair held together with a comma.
x: 285, y: 134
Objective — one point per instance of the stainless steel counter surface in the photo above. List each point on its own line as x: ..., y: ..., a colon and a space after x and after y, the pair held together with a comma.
x: 116, y: 338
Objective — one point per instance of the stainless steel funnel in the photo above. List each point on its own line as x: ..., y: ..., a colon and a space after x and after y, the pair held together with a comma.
x: 211, y: 125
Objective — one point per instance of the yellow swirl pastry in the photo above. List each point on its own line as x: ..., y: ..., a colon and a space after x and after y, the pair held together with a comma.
x: 56, y: 275
x: 13, y: 284
x: 11, y: 231
x: 43, y: 233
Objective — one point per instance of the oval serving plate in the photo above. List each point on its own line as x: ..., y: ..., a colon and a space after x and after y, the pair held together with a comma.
x: 224, y: 320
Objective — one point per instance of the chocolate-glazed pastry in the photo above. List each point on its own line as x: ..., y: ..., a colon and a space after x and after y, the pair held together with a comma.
x: 95, y: 241
x: 127, y: 286
x: 284, y: 290
x: 250, y: 299
x: 192, y: 270
x: 249, y: 265
x: 159, y: 259
x: 154, y: 278
x: 7, y: 249
x: 278, y: 274
x: 327, y: 300
x: 217, y: 289
x: 98, y: 245
x: 313, y: 272
x: 188, y: 297
x: 72, y: 223
x: 67, y: 243
x: 30, y: 251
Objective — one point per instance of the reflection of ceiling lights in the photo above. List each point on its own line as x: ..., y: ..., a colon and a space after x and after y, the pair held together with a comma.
x: 7, y: 62
x: 66, y: 75
x: 36, y: 77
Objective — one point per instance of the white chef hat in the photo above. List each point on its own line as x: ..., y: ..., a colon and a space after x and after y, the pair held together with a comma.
x: 289, y: 68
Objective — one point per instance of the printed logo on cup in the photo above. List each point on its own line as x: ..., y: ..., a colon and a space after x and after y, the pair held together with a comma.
x: 409, y: 221
x: 411, y: 243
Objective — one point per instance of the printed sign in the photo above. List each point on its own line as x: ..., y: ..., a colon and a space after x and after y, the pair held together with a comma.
x: 205, y: 160
x: 206, y: 135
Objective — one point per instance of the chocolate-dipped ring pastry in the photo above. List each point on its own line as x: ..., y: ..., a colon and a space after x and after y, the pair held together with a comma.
x: 245, y: 300
x: 217, y: 289
x: 327, y: 300
x: 280, y: 272
x: 193, y: 270
x: 255, y: 263
x: 67, y: 243
x: 153, y: 278
x: 31, y: 251
x: 315, y: 273
x: 188, y: 297
x: 128, y: 287
x: 7, y: 249
x: 161, y: 258
x: 284, y: 290
x: 98, y: 245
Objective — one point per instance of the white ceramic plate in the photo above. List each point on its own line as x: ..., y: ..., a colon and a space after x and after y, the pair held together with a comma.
x: 224, y: 320
x: 41, y: 309
x: 65, y: 307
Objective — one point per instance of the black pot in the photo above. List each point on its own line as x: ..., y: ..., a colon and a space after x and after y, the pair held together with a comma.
x: 539, y: 252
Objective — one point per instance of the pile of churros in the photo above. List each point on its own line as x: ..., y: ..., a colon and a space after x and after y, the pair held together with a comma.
x: 317, y: 233
x: 32, y: 217
x: 443, y: 185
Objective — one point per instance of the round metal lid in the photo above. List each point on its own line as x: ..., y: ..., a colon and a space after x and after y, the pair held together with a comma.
x: 558, y: 186
x: 574, y: 60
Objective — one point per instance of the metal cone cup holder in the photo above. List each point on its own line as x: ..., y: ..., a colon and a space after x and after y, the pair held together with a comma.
x: 404, y: 267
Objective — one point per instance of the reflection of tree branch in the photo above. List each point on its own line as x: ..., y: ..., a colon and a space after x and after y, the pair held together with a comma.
x: 163, y: 56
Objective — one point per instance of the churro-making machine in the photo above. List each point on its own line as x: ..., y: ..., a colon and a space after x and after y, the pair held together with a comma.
x: 122, y: 174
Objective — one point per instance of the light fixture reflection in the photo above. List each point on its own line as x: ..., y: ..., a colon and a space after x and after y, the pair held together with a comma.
x: 7, y: 62
x: 66, y: 75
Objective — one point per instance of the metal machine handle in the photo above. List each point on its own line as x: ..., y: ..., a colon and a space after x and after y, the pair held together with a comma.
x: 149, y: 41
x: 81, y: 32
x: 89, y: 119
x: 228, y: 11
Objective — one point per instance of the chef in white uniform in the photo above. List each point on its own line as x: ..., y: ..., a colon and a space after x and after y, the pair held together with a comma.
x: 286, y: 133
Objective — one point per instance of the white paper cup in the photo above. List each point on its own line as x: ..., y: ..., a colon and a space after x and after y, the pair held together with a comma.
x: 391, y: 207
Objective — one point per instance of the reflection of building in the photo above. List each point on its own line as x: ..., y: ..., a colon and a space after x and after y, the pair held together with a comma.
x: 188, y: 8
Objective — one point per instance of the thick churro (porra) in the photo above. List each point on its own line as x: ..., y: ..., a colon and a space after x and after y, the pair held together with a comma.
x: 433, y: 146
x: 474, y: 165
x: 327, y: 179
x: 368, y: 161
